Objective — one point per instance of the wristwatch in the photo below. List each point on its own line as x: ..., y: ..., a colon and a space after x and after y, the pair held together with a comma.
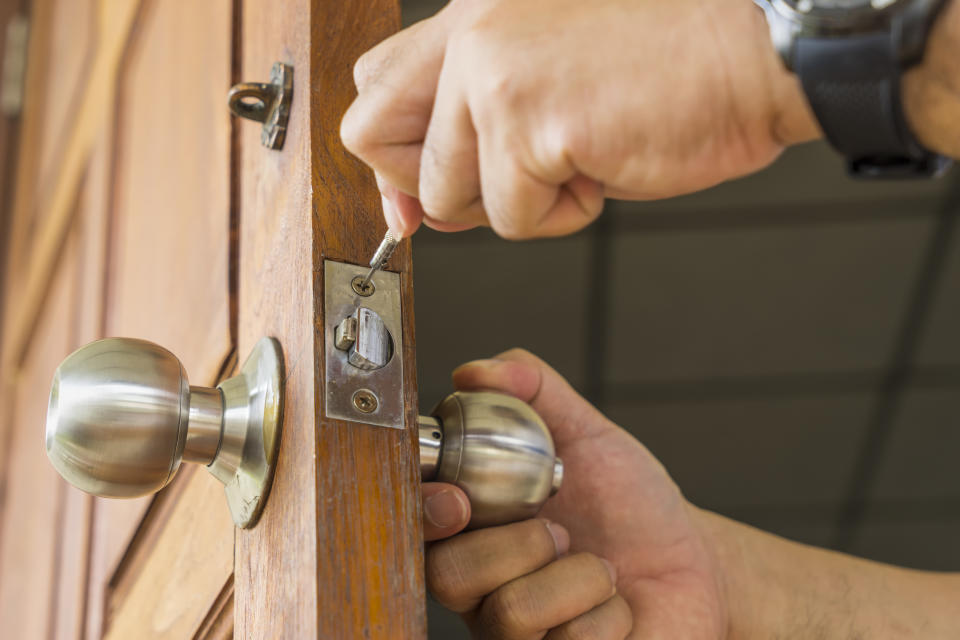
x: 850, y: 56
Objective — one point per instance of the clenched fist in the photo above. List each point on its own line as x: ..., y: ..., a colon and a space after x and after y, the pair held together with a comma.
x: 525, y: 114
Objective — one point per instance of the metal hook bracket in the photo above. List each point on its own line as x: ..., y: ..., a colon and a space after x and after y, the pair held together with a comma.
x: 264, y: 102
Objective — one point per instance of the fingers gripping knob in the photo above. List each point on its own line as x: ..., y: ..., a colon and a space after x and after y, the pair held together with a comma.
x: 494, y: 447
x: 122, y: 417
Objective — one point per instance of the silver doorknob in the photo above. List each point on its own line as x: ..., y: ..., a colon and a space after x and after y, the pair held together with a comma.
x: 122, y: 416
x: 494, y: 447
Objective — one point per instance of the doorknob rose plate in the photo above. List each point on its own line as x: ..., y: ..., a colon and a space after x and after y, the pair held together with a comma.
x: 251, y: 432
x: 122, y: 416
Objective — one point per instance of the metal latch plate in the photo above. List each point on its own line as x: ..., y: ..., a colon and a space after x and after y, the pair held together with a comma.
x: 344, y: 381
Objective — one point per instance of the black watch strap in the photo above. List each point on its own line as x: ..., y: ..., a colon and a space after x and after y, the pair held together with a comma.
x: 853, y: 85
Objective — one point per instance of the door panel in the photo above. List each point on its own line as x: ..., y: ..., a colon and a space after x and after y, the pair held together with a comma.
x: 167, y: 278
x: 183, y: 566
x: 34, y: 493
x: 72, y: 37
x: 195, y: 236
x: 9, y: 129
x: 277, y: 597
x: 56, y: 59
x: 73, y: 562
x: 32, y: 263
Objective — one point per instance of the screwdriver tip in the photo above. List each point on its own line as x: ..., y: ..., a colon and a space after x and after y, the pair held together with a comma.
x: 383, y: 253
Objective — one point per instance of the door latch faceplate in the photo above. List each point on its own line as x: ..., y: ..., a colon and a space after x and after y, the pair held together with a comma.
x: 371, y: 396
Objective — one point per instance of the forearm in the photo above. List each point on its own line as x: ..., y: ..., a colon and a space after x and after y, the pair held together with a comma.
x: 780, y: 589
x: 931, y: 91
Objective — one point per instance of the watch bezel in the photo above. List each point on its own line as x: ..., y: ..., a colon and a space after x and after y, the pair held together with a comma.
x: 826, y: 22
x: 910, y: 19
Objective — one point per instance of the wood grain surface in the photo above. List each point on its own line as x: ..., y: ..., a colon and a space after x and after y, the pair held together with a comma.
x: 372, y: 571
x: 34, y: 493
x: 24, y: 179
x: 9, y: 136
x: 29, y: 283
x: 170, y: 238
x: 338, y: 552
x: 183, y: 569
x: 167, y: 275
x: 275, y: 564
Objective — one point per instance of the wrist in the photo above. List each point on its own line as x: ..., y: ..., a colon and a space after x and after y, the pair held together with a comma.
x: 931, y: 90
x: 791, y: 120
x: 731, y: 548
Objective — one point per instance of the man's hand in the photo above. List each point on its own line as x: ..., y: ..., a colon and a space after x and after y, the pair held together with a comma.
x: 524, y: 114
x: 618, y: 552
x: 616, y: 549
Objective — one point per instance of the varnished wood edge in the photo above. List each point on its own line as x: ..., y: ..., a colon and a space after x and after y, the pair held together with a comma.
x: 147, y: 532
x: 218, y: 624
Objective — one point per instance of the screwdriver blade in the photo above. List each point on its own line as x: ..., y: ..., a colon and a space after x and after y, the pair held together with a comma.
x: 381, y: 256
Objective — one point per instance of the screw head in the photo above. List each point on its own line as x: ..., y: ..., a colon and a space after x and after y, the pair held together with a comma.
x: 360, y: 289
x: 365, y: 401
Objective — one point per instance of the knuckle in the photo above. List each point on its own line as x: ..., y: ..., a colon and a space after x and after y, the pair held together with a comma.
x: 509, y: 610
x: 518, y: 353
x: 494, y: 84
x: 513, y: 227
x: 497, y: 94
x: 445, y: 574
x: 437, y: 206
x: 353, y: 132
x: 501, y: 84
x: 592, y: 566
x: 582, y: 628
x: 368, y: 68
x: 433, y: 175
x: 623, y: 617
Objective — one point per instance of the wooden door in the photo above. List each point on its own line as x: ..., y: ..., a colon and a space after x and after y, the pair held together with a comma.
x: 143, y: 209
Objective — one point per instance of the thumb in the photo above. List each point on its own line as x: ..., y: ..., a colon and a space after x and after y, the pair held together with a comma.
x: 446, y: 510
x: 523, y: 375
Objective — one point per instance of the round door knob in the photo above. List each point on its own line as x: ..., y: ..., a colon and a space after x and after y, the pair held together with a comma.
x: 117, y: 418
x: 494, y: 447
x: 122, y: 416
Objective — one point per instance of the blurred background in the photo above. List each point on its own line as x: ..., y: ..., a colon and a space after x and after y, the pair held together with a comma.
x: 787, y: 345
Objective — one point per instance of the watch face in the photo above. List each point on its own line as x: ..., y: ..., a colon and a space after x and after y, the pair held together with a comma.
x: 806, y: 6
x: 839, y: 7
x: 833, y: 16
x: 833, y: 4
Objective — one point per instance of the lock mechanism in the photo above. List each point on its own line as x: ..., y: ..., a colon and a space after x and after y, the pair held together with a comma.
x: 363, y: 368
x: 494, y: 447
x: 122, y: 416
x: 364, y: 336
